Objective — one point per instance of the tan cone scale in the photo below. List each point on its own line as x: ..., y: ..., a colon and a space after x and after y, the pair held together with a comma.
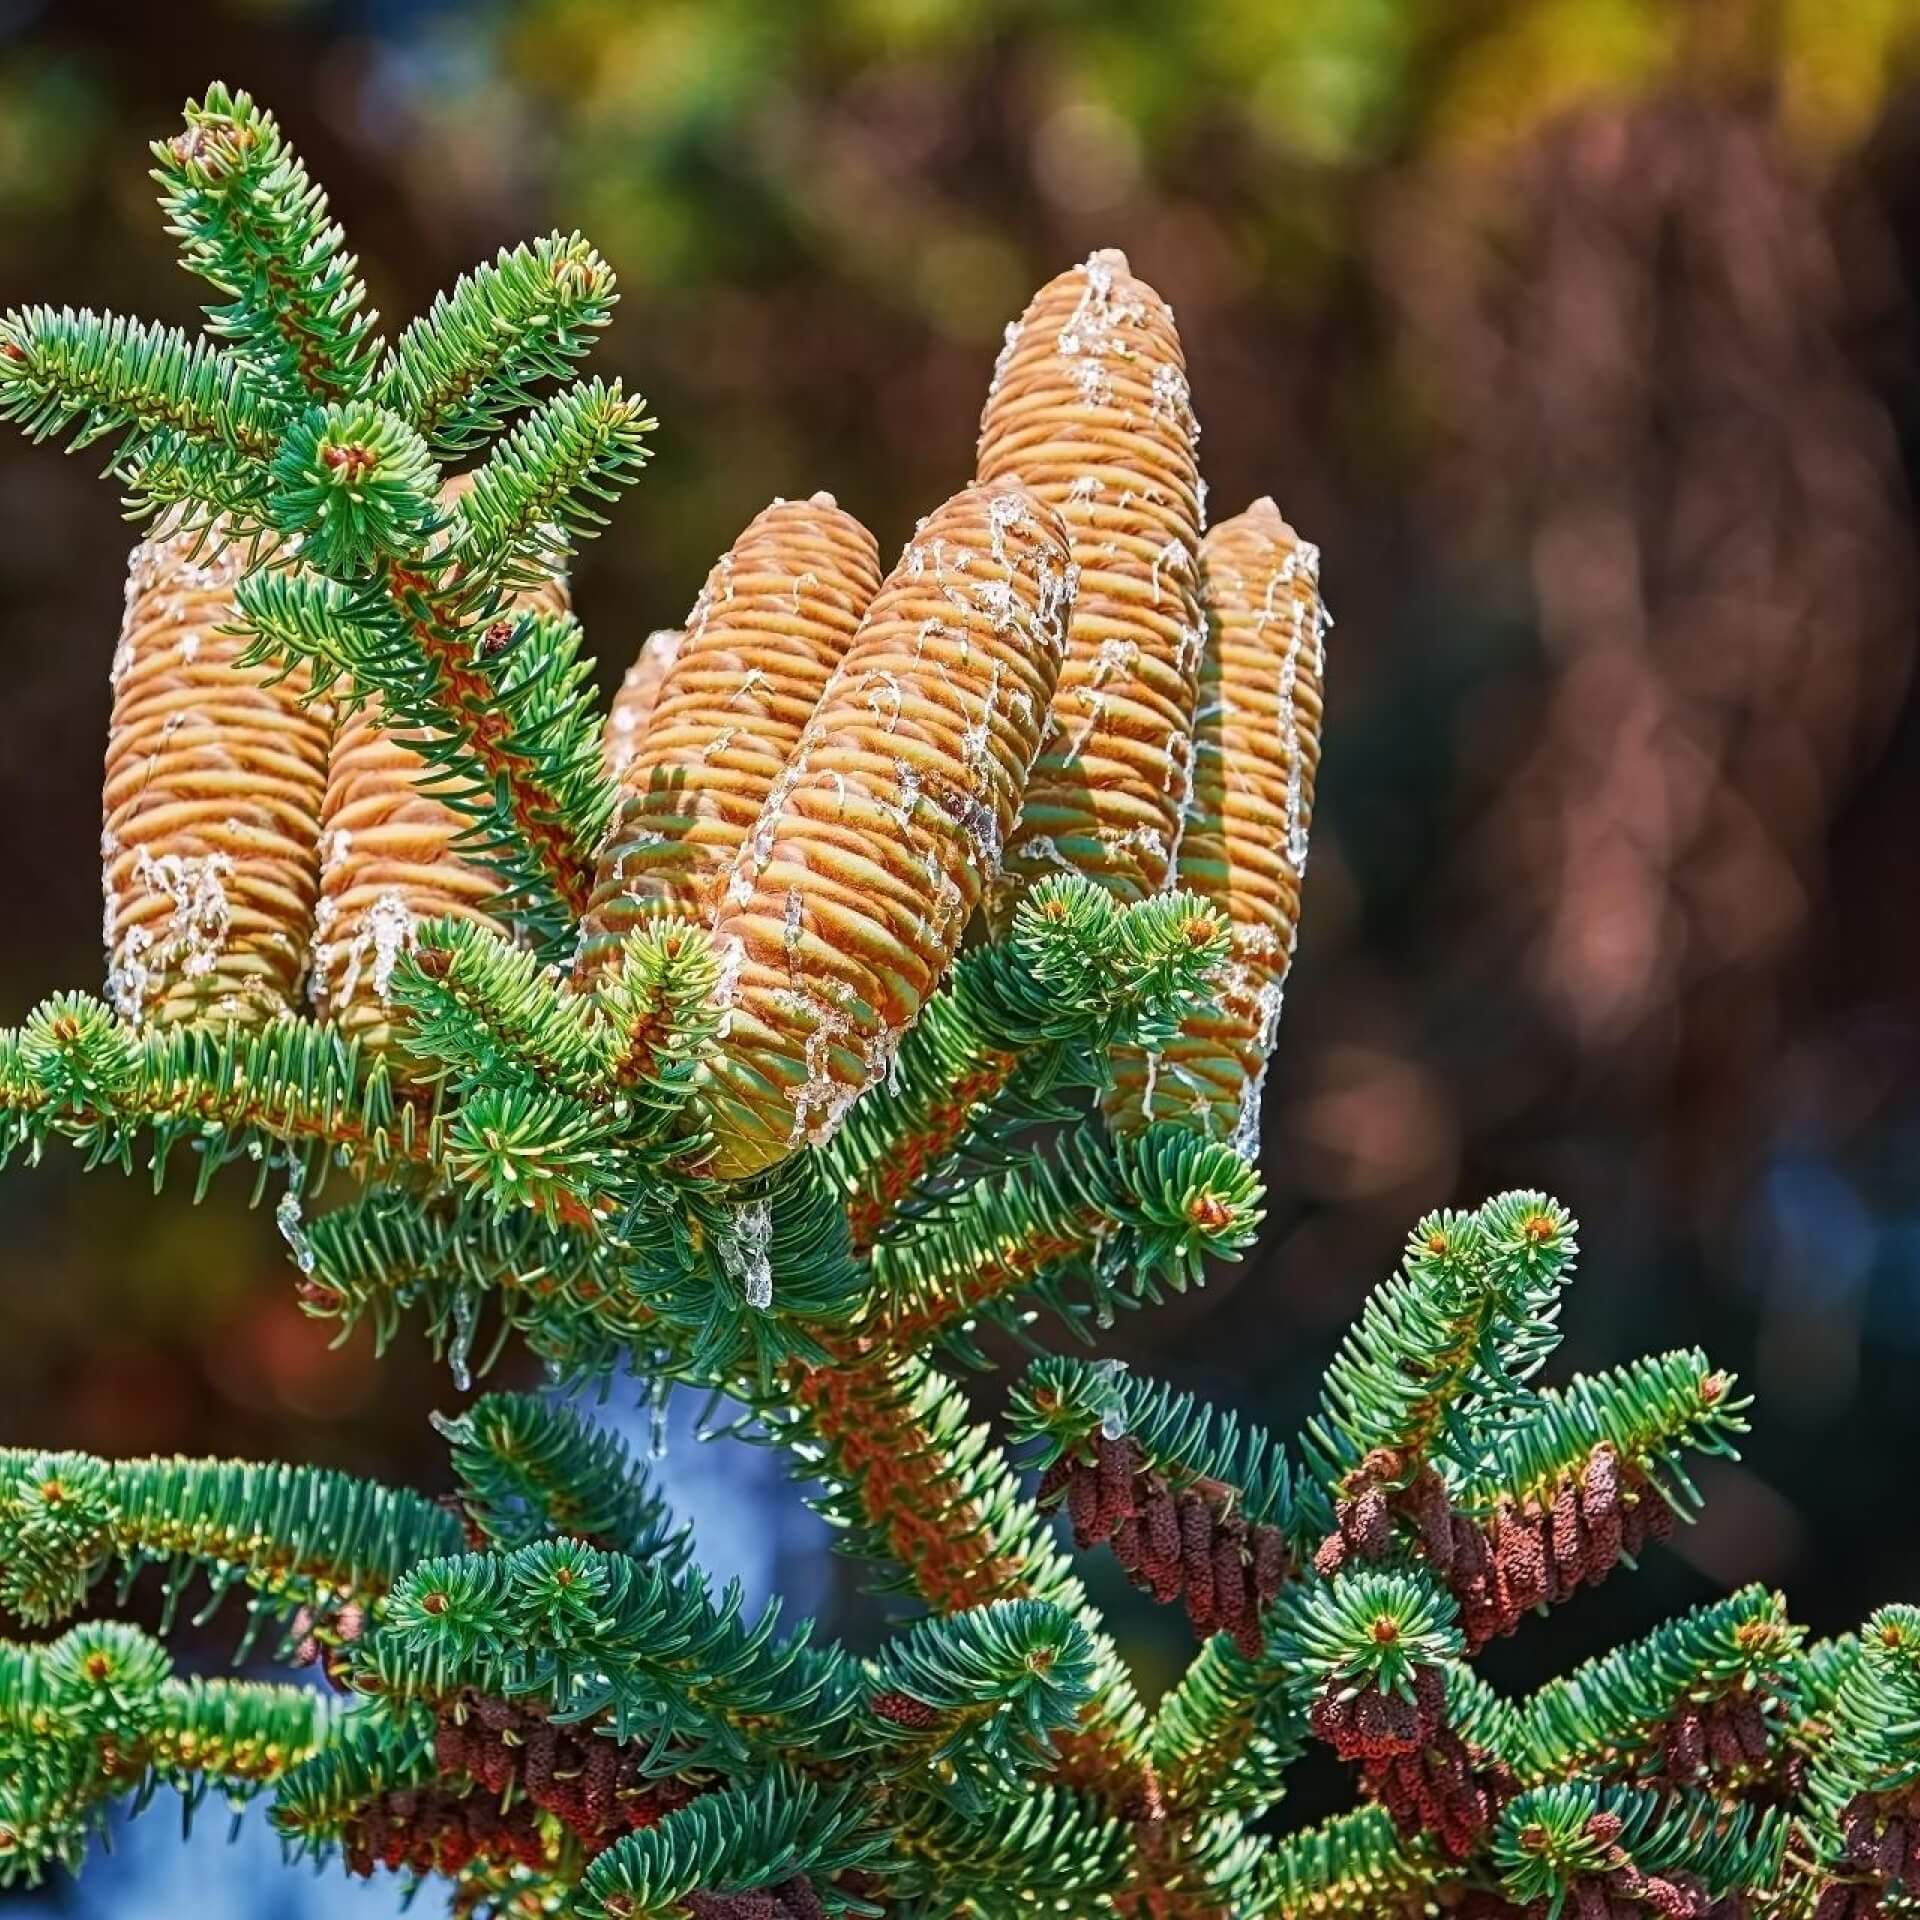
x: 214, y: 776
x: 846, y: 904
x: 1245, y: 845
x: 1089, y: 408
x: 774, y: 619
x: 633, y: 705
x: 387, y: 855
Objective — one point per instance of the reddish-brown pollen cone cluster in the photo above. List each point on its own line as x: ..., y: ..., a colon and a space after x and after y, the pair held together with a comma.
x: 793, y: 1899
x: 1412, y: 1762
x: 1524, y: 1554
x: 593, y: 1786
x: 1723, y: 1740
x: 904, y: 1711
x: 1623, y: 1892
x: 1190, y: 1546
x: 1883, y: 1847
x: 440, y: 1829
x: 1534, y: 1550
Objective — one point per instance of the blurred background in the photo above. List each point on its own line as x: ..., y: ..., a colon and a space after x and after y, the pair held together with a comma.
x: 1581, y: 335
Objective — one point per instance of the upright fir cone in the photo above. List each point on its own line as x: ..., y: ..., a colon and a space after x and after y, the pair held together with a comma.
x: 214, y: 775
x: 1089, y: 409
x: 776, y: 616
x: 639, y: 694
x: 1256, y: 750
x: 846, y: 902
x: 387, y: 854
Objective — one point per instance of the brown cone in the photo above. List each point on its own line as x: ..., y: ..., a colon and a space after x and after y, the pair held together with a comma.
x: 211, y: 804
x: 774, y: 619
x: 1089, y: 409
x: 846, y: 903
x: 633, y: 705
x: 1257, y: 749
x: 387, y: 854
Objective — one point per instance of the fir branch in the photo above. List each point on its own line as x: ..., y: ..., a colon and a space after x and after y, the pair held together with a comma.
x: 1455, y: 1334
x: 389, y: 1251
x: 251, y: 223
x: 912, y: 1480
x: 1367, y: 1630
x: 515, y: 524
x: 1872, y: 1753
x: 1700, y: 1701
x: 1125, y: 1214
x: 480, y: 1011
x: 1649, y: 1413
x: 474, y: 358
x: 1225, y: 1736
x: 658, y: 996
x: 187, y: 423
x: 369, y: 1754
x: 715, y: 1298
x: 975, y: 1699
x: 292, y: 1534
x: 97, y: 1716
x: 486, y: 1014
x: 1061, y: 1403
x: 1043, y: 1844
x: 293, y: 1091
x: 355, y: 487
x: 595, y: 1633
x: 1352, y: 1867
x: 731, y: 1843
x: 500, y: 714
x: 529, y: 1470
x: 1551, y: 1840
x: 1018, y: 1023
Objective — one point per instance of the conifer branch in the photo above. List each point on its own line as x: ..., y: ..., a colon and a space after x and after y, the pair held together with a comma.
x: 475, y: 357
x: 187, y: 425
x: 293, y: 1090
x: 975, y: 1699
x: 1018, y: 1024
x: 731, y: 1843
x: 529, y: 1470
x: 1457, y: 1333
x: 1554, y: 1841
x: 1123, y: 1215
x: 97, y: 1715
x: 515, y: 524
x: 1701, y: 1701
x: 1352, y: 1867
x: 251, y: 223
x: 592, y: 1632
x: 294, y: 1535
x: 550, y: 1709
x: 1039, y: 1844
x: 1226, y: 1734
x: 390, y: 1250
x: 915, y: 1483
